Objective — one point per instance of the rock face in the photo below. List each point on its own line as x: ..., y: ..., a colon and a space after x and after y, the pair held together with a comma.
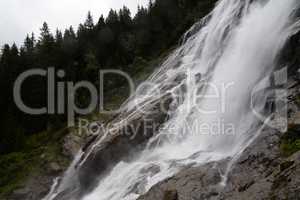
x: 71, y: 145
x: 36, y: 188
x: 123, y: 144
x: 38, y: 184
x: 259, y: 173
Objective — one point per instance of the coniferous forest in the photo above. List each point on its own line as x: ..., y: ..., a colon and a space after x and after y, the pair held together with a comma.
x: 176, y: 139
x: 119, y: 41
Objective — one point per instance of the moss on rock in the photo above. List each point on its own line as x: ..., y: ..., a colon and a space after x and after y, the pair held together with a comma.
x: 290, y: 142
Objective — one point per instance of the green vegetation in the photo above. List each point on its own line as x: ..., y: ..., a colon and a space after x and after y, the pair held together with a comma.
x: 119, y: 41
x: 46, y: 147
x: 170, y: 195
x: 290, y: 142
x: 298, y: 100
x: 40, y: 150
x: 134, y: 44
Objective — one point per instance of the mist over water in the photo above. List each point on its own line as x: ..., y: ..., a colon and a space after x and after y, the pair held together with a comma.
x: 223, y: 58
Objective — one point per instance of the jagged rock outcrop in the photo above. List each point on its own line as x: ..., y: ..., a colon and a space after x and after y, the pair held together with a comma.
x: 72, y: 143
x: 121, y: 144
x: 260, y: 173
x: 36, y: 187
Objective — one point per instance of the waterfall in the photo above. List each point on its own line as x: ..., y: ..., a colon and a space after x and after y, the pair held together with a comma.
x: 211, y: 78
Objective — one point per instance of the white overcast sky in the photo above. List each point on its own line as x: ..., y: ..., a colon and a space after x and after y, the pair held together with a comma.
x: 19, y: 17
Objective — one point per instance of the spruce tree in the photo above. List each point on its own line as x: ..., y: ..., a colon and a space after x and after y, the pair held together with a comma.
x: 89, y: 22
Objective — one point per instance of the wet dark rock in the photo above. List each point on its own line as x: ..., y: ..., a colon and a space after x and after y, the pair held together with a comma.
x: 198, y: 77
x: 170, y: 195
x: 55, y: 167
x: 90, y: 140
x: 35, y: 188
x: 290, y: 54
x: 71, y: 145
x: 260, y: 173
x: 286, y: 165
x: 122, y: 144
x: 152, y: 169
x: 190, y: 183
x: 180, y: 78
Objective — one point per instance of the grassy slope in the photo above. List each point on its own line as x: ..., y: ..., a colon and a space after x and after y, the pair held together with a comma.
x: 41, y: 149
x: 290, y: 142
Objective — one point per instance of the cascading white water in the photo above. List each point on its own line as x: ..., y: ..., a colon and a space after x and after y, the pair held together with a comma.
x: 210, y: 118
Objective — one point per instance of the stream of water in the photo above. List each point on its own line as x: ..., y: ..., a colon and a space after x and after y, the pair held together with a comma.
x: 222, y: 59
